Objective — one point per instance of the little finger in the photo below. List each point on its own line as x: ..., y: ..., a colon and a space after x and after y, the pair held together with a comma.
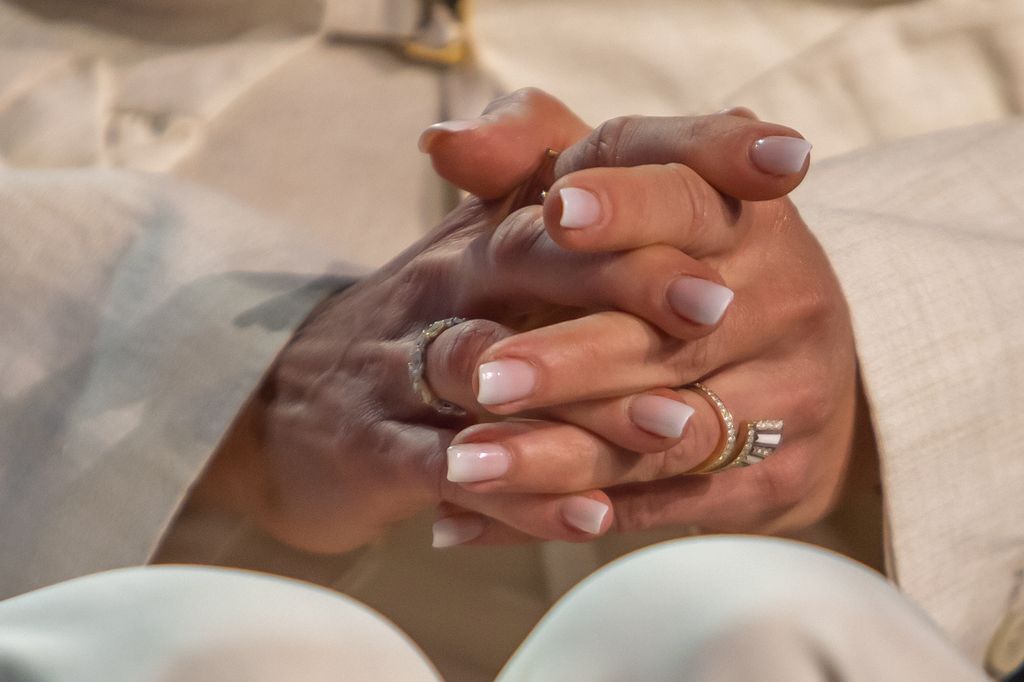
x: 555, y: 457
x: 577, y: 517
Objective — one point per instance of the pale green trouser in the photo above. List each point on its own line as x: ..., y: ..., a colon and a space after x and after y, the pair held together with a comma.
x: 716, y: 608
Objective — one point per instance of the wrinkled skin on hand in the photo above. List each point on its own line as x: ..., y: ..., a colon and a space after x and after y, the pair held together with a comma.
x: 335, y: 446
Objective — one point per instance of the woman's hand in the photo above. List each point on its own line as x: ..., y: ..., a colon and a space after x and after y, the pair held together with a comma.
x: 335, y: 445
x: 783, y: 351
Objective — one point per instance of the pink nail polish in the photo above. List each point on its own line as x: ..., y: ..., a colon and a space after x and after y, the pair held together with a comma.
x: 456, y: 530
x: 699, y: 300
x: 659, y: 415
x: 471, y: 462
x: 780, y: 155
x: 504, y: 381
x: 585, y: 514
x: 580, y: 208
x: 428, y: 136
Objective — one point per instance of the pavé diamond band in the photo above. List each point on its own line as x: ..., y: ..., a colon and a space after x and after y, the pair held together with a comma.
x: 762, y: 437
x: 418, y: 363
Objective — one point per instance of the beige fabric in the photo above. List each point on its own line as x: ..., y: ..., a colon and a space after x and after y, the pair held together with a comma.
x: 313, y: 132
x: 248, y: 100
x: 846, y: 74
x: 927, y: 236
x: 138, y: 317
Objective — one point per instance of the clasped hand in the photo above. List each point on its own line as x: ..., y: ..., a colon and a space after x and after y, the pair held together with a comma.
x: 664, y: 253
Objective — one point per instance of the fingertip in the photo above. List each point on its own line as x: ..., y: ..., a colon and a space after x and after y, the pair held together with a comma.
x: 580, y: 208
x: 492, y: 155
x: 481, y: 159
x: 781, y: 154
x: 438, y: 130
x: 584, y: 514
x: 660, y: 415
x: 699, y: 300
x: 741, y: 112
x: 457, y: 530
x: 778, y: 158
x: 505, y: 382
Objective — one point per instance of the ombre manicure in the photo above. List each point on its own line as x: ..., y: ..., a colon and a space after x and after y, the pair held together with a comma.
x: 580, y: 208
x: 471, y: 462
x: 699, y: 300
x: 456, y: 530
x: 503, y: 381
x: 428, y: 136
x: 585, y: 514
x: 659, y: 415
x: 780, y: 155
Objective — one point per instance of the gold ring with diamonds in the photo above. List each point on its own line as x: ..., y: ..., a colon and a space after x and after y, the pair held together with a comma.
x: 725, y: 456
x: 762, y: 437
x: 418, y: 364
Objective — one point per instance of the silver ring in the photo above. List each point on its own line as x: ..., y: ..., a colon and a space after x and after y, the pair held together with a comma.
x: 418, y: 363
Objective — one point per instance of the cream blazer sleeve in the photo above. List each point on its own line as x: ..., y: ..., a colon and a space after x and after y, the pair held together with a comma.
x: 927, y: 237
x: 137, y: 316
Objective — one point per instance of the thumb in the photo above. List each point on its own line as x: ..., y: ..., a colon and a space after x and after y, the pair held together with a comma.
x: 494, y: 154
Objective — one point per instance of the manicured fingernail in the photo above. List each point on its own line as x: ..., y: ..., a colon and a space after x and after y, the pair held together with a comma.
x: 457, y: 529
x: 503, y: 381
x: 472, y: 462
x: 580, y: 208
x: 658, y: 415
x: 780, y: 155
x: 428, y: 136
x: 585, y: 514
x: 699, y: 300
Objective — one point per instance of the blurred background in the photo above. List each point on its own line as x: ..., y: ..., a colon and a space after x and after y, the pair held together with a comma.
x: 309, y: 110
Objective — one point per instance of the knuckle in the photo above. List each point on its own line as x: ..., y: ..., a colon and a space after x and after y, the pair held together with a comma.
x: 515, y: 238
x: 692, y: 200
x: 604, y: 144
x: 457, y: 351
x: 690, y: 359
x: 782, y: 487
x: 528, y: 98
x: 702, y: 128
x: 674, y: 461
x: 810, y: 307
x: 794, y: 497
x: 812, y: 402
x: 426, y: 283
x: 636, y: 513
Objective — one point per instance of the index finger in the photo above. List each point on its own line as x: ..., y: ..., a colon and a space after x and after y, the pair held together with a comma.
x: 740, y: 157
